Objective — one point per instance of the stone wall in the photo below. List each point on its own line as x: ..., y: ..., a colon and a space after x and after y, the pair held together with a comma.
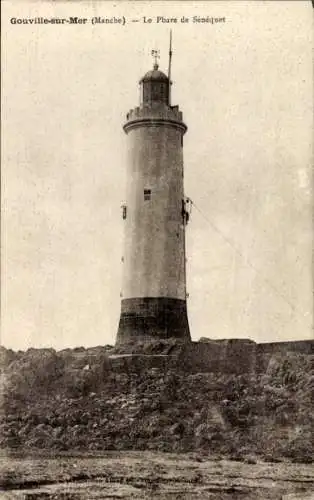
x: 234, y: 356
x: 267, y: 350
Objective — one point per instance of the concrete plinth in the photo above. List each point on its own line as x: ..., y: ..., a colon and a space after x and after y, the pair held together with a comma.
x: 153, y: 318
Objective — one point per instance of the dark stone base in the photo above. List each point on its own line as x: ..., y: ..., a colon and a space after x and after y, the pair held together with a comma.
x: 153, y: 318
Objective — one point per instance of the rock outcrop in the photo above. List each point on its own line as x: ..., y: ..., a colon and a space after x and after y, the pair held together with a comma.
x: 100, y: 399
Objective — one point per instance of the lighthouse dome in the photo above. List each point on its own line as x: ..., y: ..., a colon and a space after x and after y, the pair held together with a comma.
x: 155, y: 74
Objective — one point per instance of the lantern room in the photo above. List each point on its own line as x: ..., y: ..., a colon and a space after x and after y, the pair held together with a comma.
x: 155, y: 87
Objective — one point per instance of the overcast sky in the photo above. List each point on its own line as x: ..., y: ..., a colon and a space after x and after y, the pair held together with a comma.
x: 246, y: 91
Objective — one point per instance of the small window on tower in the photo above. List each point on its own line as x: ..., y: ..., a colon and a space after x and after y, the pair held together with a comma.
x: 147, y: 194
x: 123, y: 212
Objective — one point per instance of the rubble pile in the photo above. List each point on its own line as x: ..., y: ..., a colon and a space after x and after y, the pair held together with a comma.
x: 73, y: 400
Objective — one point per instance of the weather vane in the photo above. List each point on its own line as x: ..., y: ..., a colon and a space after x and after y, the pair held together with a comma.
x: 156, y: 56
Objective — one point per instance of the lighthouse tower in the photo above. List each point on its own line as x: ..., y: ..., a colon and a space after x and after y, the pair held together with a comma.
x: 153, y: 296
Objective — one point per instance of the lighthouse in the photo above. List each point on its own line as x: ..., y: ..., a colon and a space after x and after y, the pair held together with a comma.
x: 155, y: 216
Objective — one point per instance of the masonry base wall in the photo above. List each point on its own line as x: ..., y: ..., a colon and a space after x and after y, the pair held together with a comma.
x: 150, y: 317
x: 232, y: 356
x: 236, y: 356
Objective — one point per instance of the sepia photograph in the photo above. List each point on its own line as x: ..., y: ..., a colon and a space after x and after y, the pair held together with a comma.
x: 157, y: 250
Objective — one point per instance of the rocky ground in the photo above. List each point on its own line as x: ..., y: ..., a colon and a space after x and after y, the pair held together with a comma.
x: 74, y: 400
x: 150, y: 475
